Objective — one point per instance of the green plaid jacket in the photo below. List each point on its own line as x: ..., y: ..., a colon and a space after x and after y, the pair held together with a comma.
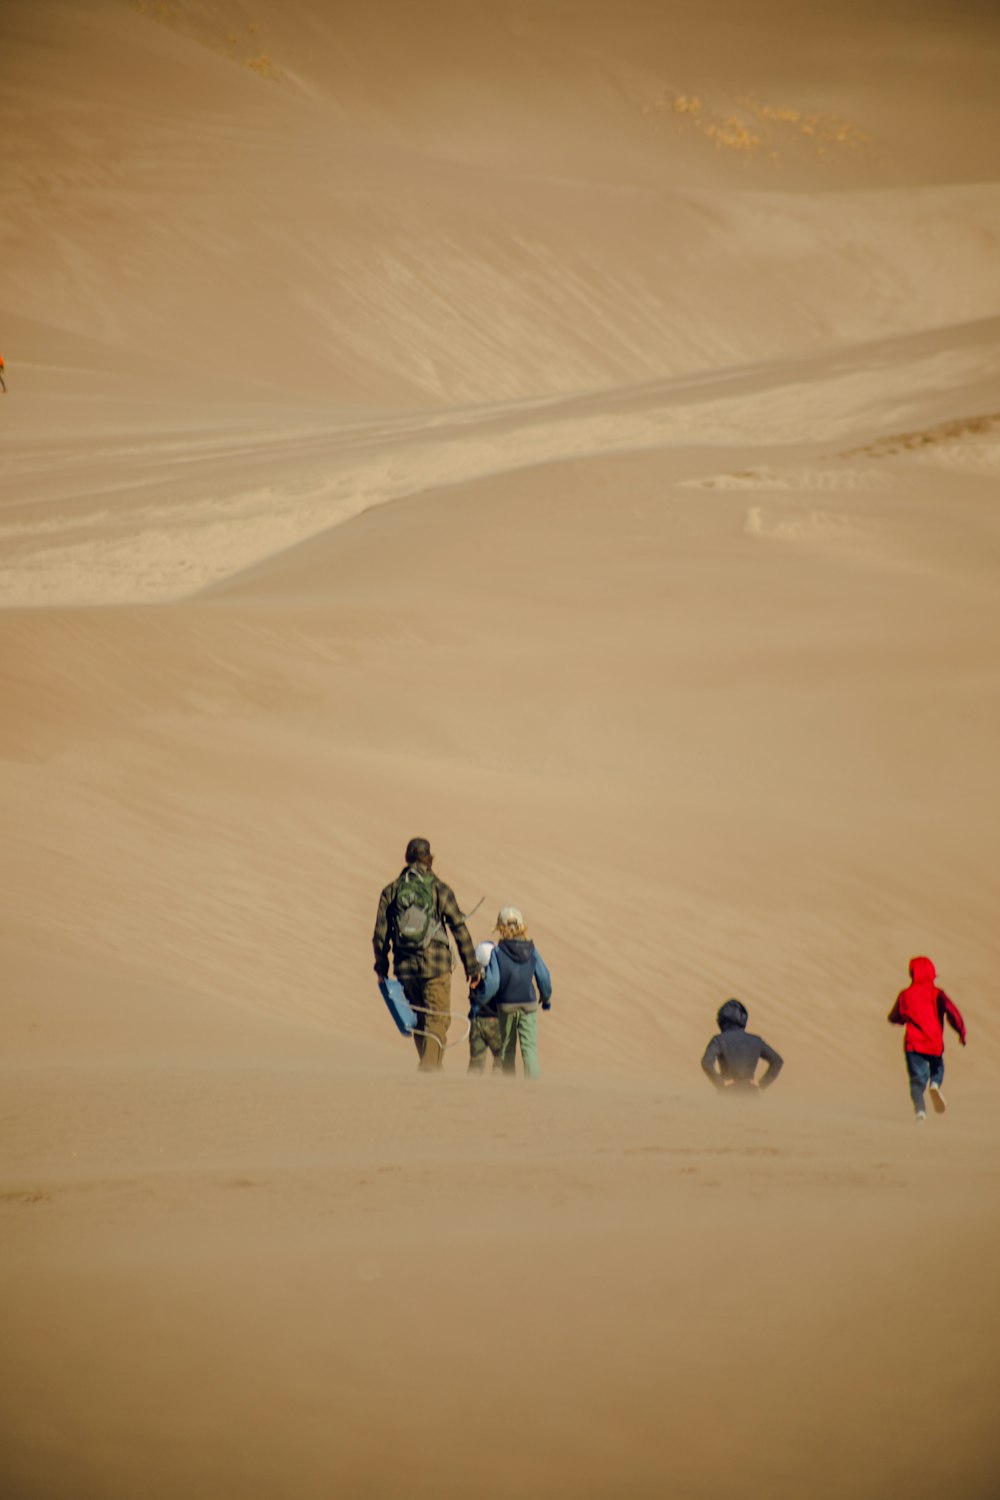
x: 434, y: 960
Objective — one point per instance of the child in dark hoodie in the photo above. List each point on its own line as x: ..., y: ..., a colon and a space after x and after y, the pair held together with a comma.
x: 515, y: 970
x: 731, y: 1058
x: 923, y: 1009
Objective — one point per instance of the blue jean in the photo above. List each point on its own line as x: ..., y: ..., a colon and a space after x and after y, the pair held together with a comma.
x: 923, y: 1068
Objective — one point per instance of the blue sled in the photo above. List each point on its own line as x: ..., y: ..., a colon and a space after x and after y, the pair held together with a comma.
x: 400, y: 1010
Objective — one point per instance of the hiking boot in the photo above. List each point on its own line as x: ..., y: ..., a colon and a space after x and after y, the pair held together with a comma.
x: 937, y: 1098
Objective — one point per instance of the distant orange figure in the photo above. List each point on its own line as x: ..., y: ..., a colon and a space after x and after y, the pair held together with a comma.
x: 3, y: 382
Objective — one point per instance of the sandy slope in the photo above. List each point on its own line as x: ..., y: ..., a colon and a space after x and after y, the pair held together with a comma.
x: 453, y: 422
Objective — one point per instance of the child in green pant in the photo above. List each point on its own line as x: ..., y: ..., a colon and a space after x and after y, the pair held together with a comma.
x: 516, y: 979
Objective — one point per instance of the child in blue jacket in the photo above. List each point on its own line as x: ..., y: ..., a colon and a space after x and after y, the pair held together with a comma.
x: 516, y: 979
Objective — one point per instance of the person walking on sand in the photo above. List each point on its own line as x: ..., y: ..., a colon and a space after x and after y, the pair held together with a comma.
x: 3, y: 373
x: 923, y: 1009
x: 484, y: 1023
x: 731, y: 1057
x: 516, y: 979
x: 415, y: 913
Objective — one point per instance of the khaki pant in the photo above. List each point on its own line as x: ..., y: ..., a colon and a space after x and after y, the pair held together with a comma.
x: 431, y: 999
x: 484, y: 1036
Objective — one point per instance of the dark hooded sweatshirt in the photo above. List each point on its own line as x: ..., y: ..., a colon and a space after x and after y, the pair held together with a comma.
x: 514, y: 970
x: 923, y: 1009
x: 733, y: 1055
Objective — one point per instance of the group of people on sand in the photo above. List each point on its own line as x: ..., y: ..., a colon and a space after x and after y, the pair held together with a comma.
x: 509, y: 981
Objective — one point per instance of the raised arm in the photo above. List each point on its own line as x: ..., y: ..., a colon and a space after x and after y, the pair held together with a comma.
x: 491, y: 981
x: 380, y: 937
x: 544, y: 980
x: 949, y: 1011
x: 452, y: 916
x: 774, y: 1064
x: 711, y: 1062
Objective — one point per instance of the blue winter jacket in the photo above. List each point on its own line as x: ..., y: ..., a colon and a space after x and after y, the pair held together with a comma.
x: 514, y: 969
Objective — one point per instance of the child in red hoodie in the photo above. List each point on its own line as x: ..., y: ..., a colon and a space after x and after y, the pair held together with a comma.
x: 923, y: 1009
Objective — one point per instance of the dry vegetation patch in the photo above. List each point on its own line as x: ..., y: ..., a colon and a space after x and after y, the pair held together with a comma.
x: 753, y: 128
x: 943, y: 432
x: 241, y: 42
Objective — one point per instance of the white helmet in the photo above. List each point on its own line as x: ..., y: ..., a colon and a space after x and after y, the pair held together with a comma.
x: 483, y: 951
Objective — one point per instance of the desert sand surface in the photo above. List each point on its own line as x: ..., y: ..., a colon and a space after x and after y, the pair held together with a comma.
x: 571, y: 432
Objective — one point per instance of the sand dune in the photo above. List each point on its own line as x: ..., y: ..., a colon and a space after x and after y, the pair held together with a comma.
x: 570, y: 432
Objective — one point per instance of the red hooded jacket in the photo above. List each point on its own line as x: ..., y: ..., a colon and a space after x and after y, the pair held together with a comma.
x: 922, y: 1008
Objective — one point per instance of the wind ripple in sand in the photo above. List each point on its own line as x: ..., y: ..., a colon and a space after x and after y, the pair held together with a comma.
x: 216, y: 522
x: 971, y: 458
x: 811, y: 526
x: 799, y: 477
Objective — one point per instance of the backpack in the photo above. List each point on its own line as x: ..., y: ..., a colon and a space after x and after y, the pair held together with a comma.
x: 415, y: 917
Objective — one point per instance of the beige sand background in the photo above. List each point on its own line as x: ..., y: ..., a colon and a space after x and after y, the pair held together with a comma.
x: 570, y: 431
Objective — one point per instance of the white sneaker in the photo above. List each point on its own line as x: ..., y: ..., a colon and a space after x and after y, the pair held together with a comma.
x: 937, y: 1098
x: 921, y: 1116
